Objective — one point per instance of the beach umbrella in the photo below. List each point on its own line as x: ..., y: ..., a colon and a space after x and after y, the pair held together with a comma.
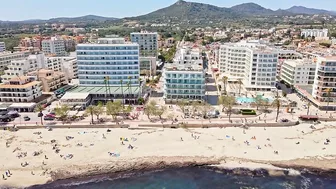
x: 40, y: 114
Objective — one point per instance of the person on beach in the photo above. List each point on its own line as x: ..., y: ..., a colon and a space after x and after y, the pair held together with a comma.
x: 45, y: 157
x: 9, y: 172
x: 3, y: 177
x: 181, y: 139
x: 32, y: 173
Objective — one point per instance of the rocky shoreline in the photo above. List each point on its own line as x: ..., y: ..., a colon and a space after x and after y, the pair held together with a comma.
x: 94, y: 172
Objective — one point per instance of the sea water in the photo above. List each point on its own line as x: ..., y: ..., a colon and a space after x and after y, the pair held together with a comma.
x: 197, y: 178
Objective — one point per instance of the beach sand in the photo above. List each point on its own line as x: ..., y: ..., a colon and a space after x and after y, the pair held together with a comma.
x: 157, y: 146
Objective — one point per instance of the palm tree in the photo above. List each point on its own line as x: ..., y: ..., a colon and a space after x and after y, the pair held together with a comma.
x: 225, y: 80
x: 107, y: 84
x: 90, y: 110
x: 328, y: 90
x: 152, y: 84
x: 277, y: 103
x: 39, y: 108
x: 240, y: 83
x: 308, y: 106
x: 129, y: 86
x: 122, y: 92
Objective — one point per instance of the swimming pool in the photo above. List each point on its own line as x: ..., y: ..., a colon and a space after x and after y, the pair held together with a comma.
x: 249, y: 99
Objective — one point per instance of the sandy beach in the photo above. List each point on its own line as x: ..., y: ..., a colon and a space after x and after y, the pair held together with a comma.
x: 96, y: 151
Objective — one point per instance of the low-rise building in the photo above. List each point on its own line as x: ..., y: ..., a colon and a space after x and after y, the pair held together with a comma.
x: 22, y: 66
x: 188, y: 55
x: 7, y: 57
x: 183, y: 81
x: 148, y: 64
x: 317, y: 33
x: 51, y: 80
x: 298, y: 72
x: 20, y: 89
x: 70, y: 67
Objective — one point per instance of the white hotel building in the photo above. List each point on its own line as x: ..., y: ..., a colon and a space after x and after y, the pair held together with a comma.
x: 298, y: 72
x: 185, y: 78
x: 253, y: 62
x: 109, y: 70
x: 54, y: 46
x: 148, y: 43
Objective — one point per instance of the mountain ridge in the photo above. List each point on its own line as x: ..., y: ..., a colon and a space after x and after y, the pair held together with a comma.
x: 186, y: 10
x: 66, y: 19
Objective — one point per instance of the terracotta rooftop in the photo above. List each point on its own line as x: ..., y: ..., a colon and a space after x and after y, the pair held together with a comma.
x: 27, y: 85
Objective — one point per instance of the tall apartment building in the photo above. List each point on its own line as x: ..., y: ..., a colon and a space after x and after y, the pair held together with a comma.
x: 22, y: 66
x: 298, y: 72
x: 20, y: 89
x: 7, y: 57
x: 183, y: 81
x: 148, y: 43
x: 325, y: 80
x: 318, y: 33
x: 255, y: 63
x: 2, y: 47
x: 54, y: 46
x: 148, y: 64
x: 110, y: 68
x: 148, y: 46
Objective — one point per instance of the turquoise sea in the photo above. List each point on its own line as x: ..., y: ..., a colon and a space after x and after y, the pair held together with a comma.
x: 196, y: 178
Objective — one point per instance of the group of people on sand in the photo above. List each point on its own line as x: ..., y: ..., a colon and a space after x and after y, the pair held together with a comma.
x: 6, y: 175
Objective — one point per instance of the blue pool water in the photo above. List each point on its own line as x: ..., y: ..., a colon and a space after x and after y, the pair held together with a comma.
x: 249, y: 99
x: 199, y: 178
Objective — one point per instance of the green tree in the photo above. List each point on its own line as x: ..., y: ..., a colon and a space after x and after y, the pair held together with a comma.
x: 229, y: 102
x: 113, y: 109
x: 99, y: 109
x: 159, y: 111
x: 150, y: 109
x: 258, y: 101
x: 182, y: 105
x: 62, y: 112
x: 39, y: 108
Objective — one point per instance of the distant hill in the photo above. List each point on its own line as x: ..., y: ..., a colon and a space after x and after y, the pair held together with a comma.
x: 252, y: 9
x: 192, y: 12
x: 82, y: 18
x: 188, y: 11
x: 310, y: 11
x: 87, y: 18
x: 183, y: 10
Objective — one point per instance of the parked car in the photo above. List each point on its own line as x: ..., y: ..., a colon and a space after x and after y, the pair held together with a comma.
x: 49, y: 118
x: 5, y: 118
x: 26, y: 118
x: 51, y: 115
